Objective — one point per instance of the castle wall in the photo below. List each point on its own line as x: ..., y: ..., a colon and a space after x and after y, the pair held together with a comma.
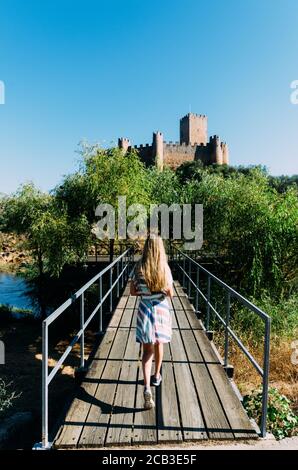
x: 145, y: 153
x: 176, y: 154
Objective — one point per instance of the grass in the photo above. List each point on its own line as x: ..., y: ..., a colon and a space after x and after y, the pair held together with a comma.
x: 8, y: 313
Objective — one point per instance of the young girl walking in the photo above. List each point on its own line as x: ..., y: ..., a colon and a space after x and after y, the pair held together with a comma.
x: 153, y: 282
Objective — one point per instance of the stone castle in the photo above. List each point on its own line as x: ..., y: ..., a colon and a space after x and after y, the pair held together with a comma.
x: 193, y: 145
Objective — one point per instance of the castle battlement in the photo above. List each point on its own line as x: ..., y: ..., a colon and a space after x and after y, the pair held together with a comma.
x: 193, y: 145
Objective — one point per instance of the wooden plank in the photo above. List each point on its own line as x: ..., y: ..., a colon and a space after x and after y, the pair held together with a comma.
x: 177, y: 348
x: 182, y: 320
x: 116, y: 318
x: 191, y: 416
x: 144, y: 431
x: 167, y: 353
x: 131, y: 301
x: 194, y: 322
x: 174, y: 319
x: 119, y: 345
x: 205, y: 347
x: 217, y: 425
x: 126, y: 291
x: 186, y: 304
x: 168, y: 422
x: 121, y: 424
x: 180, y: 291
x: 126, y: 318
x: 122, y: 302
x: 95, y: 428
x: 134, y: 318
x: 237, y: 417
x: 177, y: 305
x: 70, y: 431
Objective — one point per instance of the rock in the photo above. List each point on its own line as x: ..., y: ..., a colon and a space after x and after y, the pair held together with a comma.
x: 14, y: 424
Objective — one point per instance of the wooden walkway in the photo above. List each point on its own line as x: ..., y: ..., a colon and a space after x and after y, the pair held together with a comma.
x: 195, y: 401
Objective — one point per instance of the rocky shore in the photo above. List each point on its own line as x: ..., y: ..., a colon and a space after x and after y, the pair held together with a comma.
x: 13, y: 254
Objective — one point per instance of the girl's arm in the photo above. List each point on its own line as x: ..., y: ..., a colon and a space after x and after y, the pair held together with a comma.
x: 170, y: 291
x: 133, y: 290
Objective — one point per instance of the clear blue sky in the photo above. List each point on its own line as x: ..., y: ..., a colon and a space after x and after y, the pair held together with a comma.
x: 97, y: 70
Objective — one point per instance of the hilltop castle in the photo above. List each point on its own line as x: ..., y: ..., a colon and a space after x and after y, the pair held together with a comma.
x: 193, y: 145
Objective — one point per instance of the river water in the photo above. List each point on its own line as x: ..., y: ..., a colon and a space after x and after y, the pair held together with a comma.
x: 13, y: 291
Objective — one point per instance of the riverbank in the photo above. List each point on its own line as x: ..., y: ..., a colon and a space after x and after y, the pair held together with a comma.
x: 13, y: 253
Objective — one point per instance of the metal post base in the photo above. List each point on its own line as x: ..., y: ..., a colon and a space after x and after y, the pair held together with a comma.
x: 40, y: 446
x: 100, y: 333
x: 229, y: 371
x: 210, y: 335
x: 80, y: 373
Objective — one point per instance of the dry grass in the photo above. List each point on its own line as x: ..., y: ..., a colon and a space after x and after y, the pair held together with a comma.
x: 283, y: 374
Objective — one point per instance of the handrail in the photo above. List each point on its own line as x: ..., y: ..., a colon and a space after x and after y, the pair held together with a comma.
x: 179, y: 256
x: 125, y: 260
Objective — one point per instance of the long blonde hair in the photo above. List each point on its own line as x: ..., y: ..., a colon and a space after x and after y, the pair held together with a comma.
x: 153, y: 265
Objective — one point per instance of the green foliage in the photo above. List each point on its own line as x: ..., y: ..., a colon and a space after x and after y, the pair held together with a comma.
x: 281, y: 420
x: 6, y: 396
x: 283, y: 313
x: 163, y: 186
x: 53, y: 238
x: 111, y: 173
x: 282, y: 183
x: 252, y: 227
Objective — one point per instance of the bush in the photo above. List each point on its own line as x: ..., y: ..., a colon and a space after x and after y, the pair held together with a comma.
x: 6, y: 396
x: 281, y: 420
x: 283, y: 313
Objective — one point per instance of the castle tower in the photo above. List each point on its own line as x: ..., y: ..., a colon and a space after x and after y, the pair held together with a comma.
x: 216, y: 151
x: 193, y: 129
x: 124, y: 143
x: 225, y: 153
x: 157, y: 149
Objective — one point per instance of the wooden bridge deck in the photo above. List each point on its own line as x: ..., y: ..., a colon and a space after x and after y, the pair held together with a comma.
x: 195, y: 400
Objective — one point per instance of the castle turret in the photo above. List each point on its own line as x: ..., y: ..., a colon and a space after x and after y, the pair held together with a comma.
x: 124, y: 143
x: 157, y: 149
x: 193, y: 129
x: 216, y: 153
x: 225, y: 153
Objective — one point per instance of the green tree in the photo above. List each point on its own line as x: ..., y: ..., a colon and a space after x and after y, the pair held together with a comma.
x: 53, y: 238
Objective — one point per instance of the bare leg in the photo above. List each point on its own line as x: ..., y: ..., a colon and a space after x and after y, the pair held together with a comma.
x: 158, y: 351
x: 147, y: 363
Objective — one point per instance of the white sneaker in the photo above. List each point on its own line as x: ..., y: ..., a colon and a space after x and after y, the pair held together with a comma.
x: 148, y: 400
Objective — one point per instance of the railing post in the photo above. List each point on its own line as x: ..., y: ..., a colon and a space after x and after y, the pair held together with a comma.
x: 197, y: 291
x: 189, y: 278
x: 100, y: 308
x: 82, y: 321
x: 111, y: 290
x: 208, y: 304
x: 45, y: 404
x: 228, y: 307
x: 183, y: 281
x: 118, y: 286
x: 265, y: 377
x: 122, y: 275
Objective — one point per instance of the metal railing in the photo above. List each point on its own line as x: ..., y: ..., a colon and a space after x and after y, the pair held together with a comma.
x: 121, y: 265
x: 186, y: 265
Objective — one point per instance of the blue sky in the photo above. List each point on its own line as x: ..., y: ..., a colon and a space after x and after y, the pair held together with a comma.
x: 96, y: 70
